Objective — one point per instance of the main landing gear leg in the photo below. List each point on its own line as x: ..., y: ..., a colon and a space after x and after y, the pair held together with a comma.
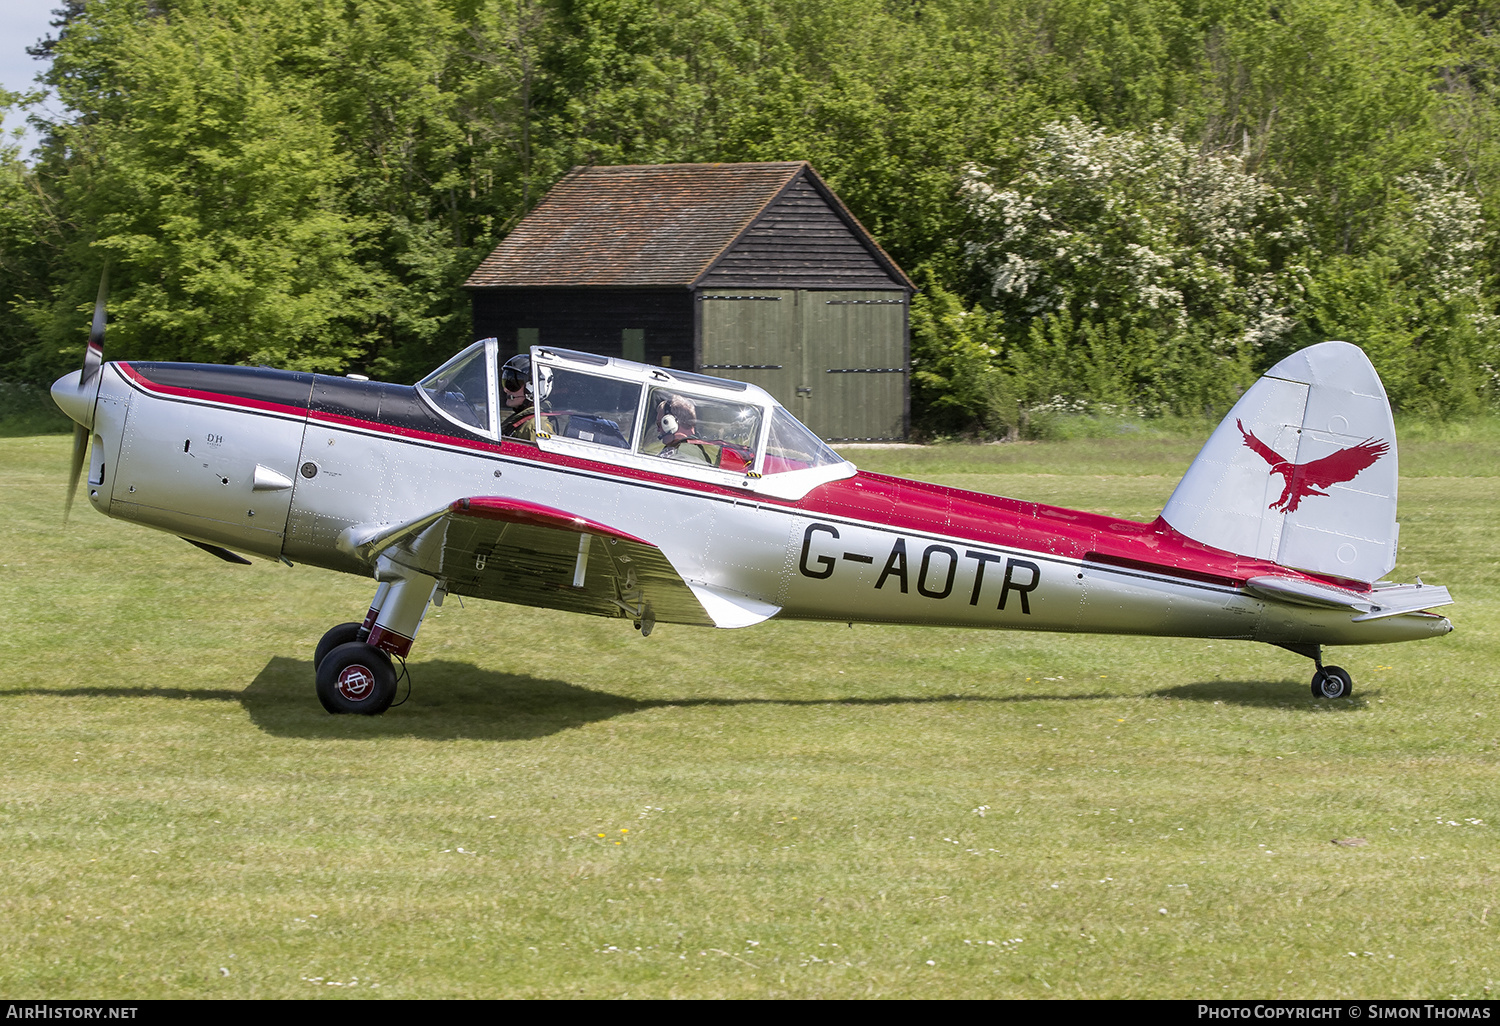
x: 347, y: 632
x: 355, y: 674
x: 1327, y: 681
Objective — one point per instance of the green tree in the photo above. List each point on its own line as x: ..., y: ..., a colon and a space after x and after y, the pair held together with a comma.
x: 1332, y: 100
x: 1417, y: 302
x: 198, y: 164
x: 309, y: 184
x: 28, y: 231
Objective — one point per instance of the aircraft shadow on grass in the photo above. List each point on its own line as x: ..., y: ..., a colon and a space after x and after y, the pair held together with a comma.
x: 1264, y: 695
x: 460, y: 700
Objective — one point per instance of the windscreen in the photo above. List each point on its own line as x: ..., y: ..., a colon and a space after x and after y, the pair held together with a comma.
x: 792, y: 446
x: 461, y: 388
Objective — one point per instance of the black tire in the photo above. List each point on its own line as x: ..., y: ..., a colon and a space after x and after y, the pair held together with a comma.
x: 1332, y: 682
x: 355, y: 678
x: 336, y: 636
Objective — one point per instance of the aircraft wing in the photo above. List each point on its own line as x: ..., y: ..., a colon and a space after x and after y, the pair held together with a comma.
x: 516, y: 551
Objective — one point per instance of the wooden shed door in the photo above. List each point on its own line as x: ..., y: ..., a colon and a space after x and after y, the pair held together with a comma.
x: 836, y: 360
x: 753, y: 335
x: 855, y: 346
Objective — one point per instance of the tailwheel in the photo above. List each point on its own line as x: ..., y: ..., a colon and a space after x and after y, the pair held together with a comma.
x: 336, y: 636
x: 356, y: 678
x: 1332, y: 682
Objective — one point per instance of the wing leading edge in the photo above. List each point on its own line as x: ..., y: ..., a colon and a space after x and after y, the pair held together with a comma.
x: 510, y: 550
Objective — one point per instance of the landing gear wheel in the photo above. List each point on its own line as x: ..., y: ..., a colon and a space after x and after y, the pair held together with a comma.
x: 355, y: 678
x: 1332, y: 682
x: 336, y: 636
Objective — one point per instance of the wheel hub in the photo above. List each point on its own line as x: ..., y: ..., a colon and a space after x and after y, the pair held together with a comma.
x: 356, y: 682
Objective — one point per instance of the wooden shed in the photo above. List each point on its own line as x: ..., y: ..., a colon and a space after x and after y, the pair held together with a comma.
x: 749, y: 271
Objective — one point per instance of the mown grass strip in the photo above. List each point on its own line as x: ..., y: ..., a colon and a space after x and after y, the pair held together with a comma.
x: 564, y: 808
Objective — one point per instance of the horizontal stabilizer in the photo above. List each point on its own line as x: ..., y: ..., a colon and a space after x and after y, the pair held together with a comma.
x: 1393, y: 599
x: 1308, y: 593
x: 1384, y: 600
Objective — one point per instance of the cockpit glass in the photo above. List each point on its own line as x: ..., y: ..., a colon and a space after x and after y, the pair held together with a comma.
x: 589, y: 408
x: 696, y: 429
x: 461, y: 388
x: 791, y: 446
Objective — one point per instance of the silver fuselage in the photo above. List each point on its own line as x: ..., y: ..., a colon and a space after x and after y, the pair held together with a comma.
x: 281, y: 465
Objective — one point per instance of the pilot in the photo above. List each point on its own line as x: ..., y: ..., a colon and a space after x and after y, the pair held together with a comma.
x: 515, y: 384
x: 676, y: 423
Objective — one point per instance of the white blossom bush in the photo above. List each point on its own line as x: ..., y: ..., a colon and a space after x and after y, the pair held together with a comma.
x: 1151, y: 270
x: 1130, y: 270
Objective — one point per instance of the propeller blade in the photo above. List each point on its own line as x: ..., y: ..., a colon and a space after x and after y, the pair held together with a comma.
x: 80, y: 454
x: 93, y: 357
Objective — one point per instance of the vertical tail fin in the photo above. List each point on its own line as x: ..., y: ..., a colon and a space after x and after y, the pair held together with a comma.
x: 1302, y: 471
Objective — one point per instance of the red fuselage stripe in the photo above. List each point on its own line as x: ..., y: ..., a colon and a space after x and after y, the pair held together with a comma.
x: 884, y: 502
x: 516, y: 511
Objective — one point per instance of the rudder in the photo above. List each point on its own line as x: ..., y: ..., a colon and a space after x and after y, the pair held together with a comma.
x: 1302, y: 471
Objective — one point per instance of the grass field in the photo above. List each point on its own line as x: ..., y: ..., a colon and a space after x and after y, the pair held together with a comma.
x: 563, y: 808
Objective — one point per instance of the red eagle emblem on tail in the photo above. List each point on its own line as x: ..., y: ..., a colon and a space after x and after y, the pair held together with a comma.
x: 1304, y: 479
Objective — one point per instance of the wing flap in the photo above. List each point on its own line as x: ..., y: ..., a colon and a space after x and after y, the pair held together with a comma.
x: 510, y: 550
x: 563, y: 568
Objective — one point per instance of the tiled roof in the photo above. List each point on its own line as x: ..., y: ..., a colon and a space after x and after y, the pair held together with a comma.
x: 634, y: 225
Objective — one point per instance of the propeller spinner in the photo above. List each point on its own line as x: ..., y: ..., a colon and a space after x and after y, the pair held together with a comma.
x: 76, y: 393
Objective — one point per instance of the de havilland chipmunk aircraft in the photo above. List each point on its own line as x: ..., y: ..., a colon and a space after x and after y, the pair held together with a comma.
x: 660, y: 496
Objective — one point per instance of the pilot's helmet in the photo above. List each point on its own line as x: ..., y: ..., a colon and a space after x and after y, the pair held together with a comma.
x: 515, y: 376
x: 675, y: 414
